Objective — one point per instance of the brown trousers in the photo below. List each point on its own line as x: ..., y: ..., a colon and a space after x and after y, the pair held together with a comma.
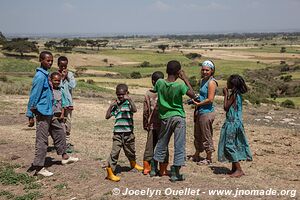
x: 125, y: 141
x: 203, y: 132
x: 46, y: 125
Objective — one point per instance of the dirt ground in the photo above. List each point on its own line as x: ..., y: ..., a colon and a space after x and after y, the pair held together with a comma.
x: 273, y: 136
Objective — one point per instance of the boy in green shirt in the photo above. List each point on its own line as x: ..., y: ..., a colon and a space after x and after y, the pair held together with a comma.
x: 172, y: 115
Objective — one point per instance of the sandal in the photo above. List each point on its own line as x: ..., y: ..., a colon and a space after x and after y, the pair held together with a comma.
x: 204, y: 162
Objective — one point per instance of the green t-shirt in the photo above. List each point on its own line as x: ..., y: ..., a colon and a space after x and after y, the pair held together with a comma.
x: 170, y: 98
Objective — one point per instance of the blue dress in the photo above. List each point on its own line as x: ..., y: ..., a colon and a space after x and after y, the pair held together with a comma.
x: 233, y: 144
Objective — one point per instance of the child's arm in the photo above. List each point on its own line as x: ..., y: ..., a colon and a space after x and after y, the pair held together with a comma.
x: 109, y: 110
x: 62, y: 115
x: 132, y: 107
x: 183, y: 77
x: 212, y: 86
x: 35, y: 94
x: 146, y: 113
x: 228, y: 101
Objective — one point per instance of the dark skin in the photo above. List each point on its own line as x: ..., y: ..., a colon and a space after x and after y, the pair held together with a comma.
x: 182, y: 76
x: 236, y: 170
x: 56, y: 82
x: 122, y: 96
x: 63, y: 65
x: 46, y: 64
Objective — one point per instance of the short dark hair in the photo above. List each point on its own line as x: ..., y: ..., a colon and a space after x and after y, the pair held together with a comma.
x: 122, y: 86
x: 43, y: 54
x: 55, y: 74
x: 173, y: 67
x: 62, y: 58
x: 157, y: 75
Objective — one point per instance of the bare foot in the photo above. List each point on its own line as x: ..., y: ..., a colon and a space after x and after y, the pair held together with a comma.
x: 237, y: 174
x: 231, y: 171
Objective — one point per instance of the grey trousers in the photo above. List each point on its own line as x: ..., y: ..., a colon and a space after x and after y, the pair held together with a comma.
x: 203, y: 132
x: 152, y: 139
x: 68, y: 123
x: 125, y: 141
x: 176, y: 125
x: 45, y: 125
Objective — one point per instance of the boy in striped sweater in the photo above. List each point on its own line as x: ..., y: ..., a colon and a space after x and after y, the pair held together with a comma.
x: 122, y: 109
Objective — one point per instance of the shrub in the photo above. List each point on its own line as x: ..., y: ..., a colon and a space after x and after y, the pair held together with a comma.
x: 145, y: 64
x: 193, y: 55
x: 135, y: 75
x: 3, y: 78
x: 90, y: 81
x: 286, y: 78
x: 288, y: 104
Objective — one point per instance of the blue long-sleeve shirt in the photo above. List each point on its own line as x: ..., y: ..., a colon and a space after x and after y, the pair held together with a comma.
x: 41, y: 96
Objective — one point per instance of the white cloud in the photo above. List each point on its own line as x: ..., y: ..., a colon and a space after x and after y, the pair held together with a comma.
x: 212, y: 6
x: 161, y: 6
x: 67, y: 6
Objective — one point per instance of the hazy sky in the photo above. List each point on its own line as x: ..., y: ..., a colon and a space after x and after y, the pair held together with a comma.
x: 148, y: 16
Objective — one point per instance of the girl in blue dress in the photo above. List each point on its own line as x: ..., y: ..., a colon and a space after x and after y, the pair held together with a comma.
x: 233, y: 144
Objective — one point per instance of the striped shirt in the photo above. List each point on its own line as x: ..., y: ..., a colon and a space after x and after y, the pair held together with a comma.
x: 124, y: 118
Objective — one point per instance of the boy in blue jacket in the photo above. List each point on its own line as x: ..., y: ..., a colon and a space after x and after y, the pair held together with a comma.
x: 40, y: 105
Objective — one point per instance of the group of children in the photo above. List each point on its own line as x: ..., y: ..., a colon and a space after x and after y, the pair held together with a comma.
x: 164, y: 115
x: 51, y: 104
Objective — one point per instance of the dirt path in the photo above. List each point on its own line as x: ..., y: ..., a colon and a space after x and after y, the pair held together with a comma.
x: 275, y: 146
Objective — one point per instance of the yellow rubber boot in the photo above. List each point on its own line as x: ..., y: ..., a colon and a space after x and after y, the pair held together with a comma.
x: 136, y: 166
x: 147, y: 168
x: 111, y: 176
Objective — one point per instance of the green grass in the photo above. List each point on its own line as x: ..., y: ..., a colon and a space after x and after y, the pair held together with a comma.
x: 295, y: 75
x: 296, y: 100
x: 269, y: 49
x: 90, y: 87
x: 223, y: 67
x: 61, y: 186
x: 146, y: 55
x: 29, y: 196
x: 16, y: 65
x: 8, y: 176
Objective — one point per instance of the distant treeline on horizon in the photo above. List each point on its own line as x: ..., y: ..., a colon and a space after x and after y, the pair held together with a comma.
x: 212, y: 36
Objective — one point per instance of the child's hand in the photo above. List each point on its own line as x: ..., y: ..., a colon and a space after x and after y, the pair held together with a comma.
x: 34, y: 110
x: 114, y: 103
x: 181, y: 75
x: 30, y: 122
x: 225, y: 91
x: 126, y: 97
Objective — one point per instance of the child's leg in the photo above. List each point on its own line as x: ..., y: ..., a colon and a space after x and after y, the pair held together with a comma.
x: 238, y: 172
x: 129, y: 150
x: 68, y: 116
x: 148, y: 154
x: 115, y: 152
x: 59, y: 138
x: 41, y: 142
x: 179, y: 141
x: 161, y: 149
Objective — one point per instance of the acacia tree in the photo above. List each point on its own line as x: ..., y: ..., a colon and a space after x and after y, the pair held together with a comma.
x: 163, y: 47
x: 20, y: 45
x: 2, y: 38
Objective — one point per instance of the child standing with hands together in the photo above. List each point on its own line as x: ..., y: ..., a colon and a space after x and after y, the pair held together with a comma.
x: 233, y: 144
